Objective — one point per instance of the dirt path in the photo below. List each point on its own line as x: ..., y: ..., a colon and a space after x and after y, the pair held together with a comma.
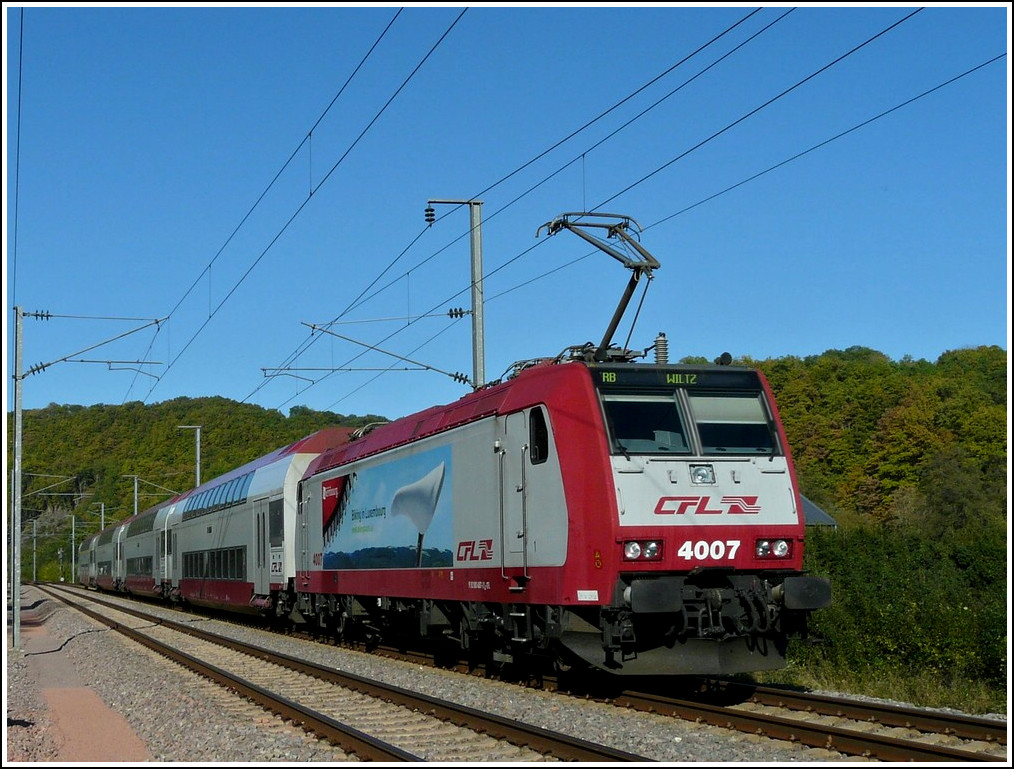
x: 83, y: 727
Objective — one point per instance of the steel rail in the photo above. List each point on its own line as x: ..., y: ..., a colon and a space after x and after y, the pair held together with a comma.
x: 564, y: 747
x: 843, y: 740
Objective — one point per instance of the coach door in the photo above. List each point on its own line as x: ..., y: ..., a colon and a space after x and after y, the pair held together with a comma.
x: 119, y: 567
x: 163, y: 567
x: 302, y: 545
x: 261, y: 562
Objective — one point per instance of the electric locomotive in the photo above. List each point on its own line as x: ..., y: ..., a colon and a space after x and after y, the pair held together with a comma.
x: 637, y: 518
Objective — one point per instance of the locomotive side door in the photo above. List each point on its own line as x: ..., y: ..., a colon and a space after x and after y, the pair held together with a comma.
x: 527, y: 493
x: 513, y: 449
x: 302, y: 543
x: 533, y: 508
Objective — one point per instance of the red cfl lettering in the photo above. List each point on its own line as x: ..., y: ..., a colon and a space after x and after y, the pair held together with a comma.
x: 472, y: 550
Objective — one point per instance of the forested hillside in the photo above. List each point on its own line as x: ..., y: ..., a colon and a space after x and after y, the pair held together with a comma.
x: 76, y: 458
x: 888, y: 441
x: 909, y: 457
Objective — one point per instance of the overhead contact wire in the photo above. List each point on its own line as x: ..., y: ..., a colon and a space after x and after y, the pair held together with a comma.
x: 263, y: 194
x: 731, y: 125
x: 360, y: 298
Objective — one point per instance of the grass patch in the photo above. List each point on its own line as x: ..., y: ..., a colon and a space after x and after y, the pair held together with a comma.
x: 920, y: 688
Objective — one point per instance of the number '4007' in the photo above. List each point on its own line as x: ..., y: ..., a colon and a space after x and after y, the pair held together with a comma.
x: 703, y: 550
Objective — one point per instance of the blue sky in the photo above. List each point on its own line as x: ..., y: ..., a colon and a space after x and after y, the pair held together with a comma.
x: 809, y: 179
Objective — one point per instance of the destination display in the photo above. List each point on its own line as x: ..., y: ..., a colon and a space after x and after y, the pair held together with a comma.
x: 607, y: 377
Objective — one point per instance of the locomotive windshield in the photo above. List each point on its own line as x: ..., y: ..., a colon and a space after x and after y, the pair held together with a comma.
x: 721, y: 423
x: 646, y: 424
x: 732, y: 424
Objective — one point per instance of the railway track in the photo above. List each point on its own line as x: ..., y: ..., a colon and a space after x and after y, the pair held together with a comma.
x: 368, y: 719
x: 862, y: 728
x: 850, y: 727
x: 988, y: 732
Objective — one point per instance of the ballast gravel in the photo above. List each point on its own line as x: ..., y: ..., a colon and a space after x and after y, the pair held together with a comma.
x: 182, y: 718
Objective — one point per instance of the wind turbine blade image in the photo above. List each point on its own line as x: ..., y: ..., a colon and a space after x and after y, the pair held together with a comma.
x: 418, y: 501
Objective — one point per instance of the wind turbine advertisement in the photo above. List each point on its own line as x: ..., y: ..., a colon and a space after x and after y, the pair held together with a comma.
x: 394, y: 515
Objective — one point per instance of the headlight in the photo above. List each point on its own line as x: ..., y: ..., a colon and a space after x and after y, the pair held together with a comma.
x: 772, y: 548
x: 632, y: 551
x: 650, y: 550
x: 702, y: 474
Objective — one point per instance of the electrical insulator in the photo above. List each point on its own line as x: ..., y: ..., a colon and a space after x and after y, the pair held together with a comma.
x: 430, y: 215
x: 456, y: 312
x: 661, y: 349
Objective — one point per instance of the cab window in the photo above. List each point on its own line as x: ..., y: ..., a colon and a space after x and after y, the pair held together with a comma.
x: 645, y: 423
x: 538, y: 433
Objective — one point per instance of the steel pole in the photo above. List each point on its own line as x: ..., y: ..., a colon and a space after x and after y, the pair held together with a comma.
x: 197, y: 429
x: 16, y: 542
x: 478, y: 324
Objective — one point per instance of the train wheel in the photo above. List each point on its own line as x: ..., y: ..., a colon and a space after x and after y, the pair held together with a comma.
x: 566, y: 676
x: 446, y: 651
x: 337, y: 626
x: 321, y: 631
x: 472, y: 651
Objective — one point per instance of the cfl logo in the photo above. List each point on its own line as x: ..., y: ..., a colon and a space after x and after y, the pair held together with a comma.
x: 699, y: 506
x: 475, y: 550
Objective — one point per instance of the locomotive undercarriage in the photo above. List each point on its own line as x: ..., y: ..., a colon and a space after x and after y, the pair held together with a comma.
x: 496, y: 636
x: 714, y: 622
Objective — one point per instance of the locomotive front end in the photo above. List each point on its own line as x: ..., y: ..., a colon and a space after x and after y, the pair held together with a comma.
x: 710, y: 530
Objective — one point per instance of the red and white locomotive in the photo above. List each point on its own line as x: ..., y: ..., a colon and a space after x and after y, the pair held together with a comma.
x: 633, y: 517
x: 643, y: 518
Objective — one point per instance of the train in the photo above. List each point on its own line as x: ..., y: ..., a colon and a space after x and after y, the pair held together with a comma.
x: 587, y: 509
